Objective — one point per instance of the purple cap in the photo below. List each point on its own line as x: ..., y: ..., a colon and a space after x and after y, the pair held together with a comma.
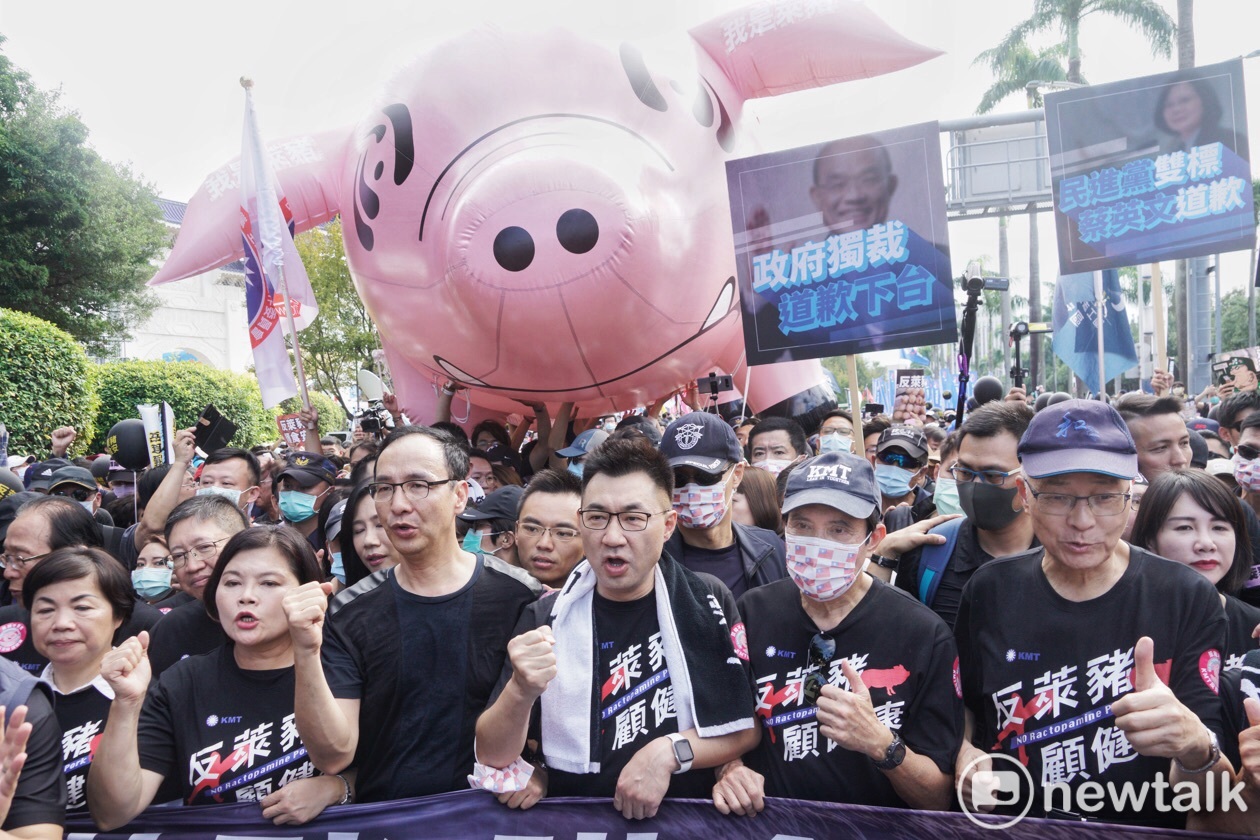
x: 839, y: 480
x: 1078, y: 436
x: 701, y: 440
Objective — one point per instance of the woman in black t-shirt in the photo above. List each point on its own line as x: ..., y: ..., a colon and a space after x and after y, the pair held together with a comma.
x: 1192, y: 518
x: 78, y: 597
x: 221, y: 725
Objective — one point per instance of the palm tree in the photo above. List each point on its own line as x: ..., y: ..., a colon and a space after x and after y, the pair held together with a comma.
x: 1016, y: 65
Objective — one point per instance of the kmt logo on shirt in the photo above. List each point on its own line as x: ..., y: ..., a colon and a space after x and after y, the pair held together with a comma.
x: 773, y: 651
x: 1013, y: 655
x: 215, y: 720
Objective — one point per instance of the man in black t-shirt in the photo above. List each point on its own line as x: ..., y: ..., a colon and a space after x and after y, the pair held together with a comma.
x: 996, y: 524
x: 708, y: 466
x: 631, y: 678
x: 394, y: 678
x: 857, y: 683
x: 196, y: 531
x: 1087, y: 661
x: 36, y: 809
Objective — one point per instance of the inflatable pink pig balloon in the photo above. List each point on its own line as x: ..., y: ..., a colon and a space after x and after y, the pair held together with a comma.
x: 543, y: 217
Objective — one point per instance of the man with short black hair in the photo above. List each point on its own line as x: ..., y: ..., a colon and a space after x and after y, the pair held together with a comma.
x: 835, y: 432
x: 196, y: 532
x: 392, y: 676
x: 548, y: 542
x: 1233, y: 411
x: 1159, y: 430
x: 631, y: 630
x: 776, y: 442
x: 708, y: 467
x: 231, y: 473
x: 985, y: 470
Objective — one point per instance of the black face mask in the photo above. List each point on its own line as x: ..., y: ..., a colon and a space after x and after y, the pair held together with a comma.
x: 986, y: 505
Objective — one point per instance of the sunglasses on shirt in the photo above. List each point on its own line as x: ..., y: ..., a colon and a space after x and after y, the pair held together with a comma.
x: 822, y: 649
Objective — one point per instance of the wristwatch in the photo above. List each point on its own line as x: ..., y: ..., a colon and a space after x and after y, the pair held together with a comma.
x: 894, y: 755
x: 885, y: 562
x: 1214, y: 755
x: 682, y: 752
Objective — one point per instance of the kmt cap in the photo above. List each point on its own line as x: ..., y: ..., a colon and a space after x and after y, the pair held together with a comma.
x: 1078, y: 436
x: 701, y: 440
x: 838, y: 480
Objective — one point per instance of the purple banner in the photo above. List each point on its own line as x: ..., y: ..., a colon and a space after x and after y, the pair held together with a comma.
x: 475, y: 815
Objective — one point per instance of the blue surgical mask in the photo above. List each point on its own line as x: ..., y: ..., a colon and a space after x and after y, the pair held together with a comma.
x: 835, y: 443
x: 576, y: 469
x: 233, y: 496
x: 472, y: 541
x: 295, y: 505
x: 946, y: 497
x: 150, y: 583
x: 894, y: 482
x: 338, y: 568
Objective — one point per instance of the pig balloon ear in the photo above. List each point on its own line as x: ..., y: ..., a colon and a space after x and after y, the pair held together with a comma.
x: 767, y: 49
x: 307, y: 168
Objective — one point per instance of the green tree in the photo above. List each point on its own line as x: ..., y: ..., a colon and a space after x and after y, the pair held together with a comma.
x: 77, y: 234
x: 187, y: 387
x: 838, y: 367
x: 343, y: 337
x: 1234, y: 332
x: 43, y: 384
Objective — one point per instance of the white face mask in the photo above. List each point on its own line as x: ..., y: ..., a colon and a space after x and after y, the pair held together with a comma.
x: 699, y: 506
x: 233, y: 496
x: 88, y: 506
x: 823, y: 570
x: 774, y: 466
x: 835, y: 442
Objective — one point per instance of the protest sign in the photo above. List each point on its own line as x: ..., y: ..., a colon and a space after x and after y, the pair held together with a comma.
x: 1236, y: 369
x: 1151, y: 169
x: 841, y: 247
x: 292, y: 430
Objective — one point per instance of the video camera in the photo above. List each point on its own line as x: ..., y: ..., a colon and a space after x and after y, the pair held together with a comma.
x: 375, y: 419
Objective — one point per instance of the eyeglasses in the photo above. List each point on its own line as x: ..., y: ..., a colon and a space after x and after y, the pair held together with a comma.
x: 695, y: 476
x: 963, y: 475
x: 1247, y: 452
x: 1102, y: 504
x: 79, y: 494
x: 560, y: 535
x: 822, y: 649
x: 629, y: 520
x: 415, y: 490
x: 201, y: 551
x: 7, y: 560
x: 898, y: 459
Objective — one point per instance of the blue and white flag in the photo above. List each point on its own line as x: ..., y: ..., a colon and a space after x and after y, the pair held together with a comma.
x: 1076, y: 327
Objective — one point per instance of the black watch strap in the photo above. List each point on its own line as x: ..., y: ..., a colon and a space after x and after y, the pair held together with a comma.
x: 894, y: 755
x: 885, y: 562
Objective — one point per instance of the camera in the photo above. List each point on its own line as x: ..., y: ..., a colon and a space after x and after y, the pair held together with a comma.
x: 375, y: 419
x: 974, y: 281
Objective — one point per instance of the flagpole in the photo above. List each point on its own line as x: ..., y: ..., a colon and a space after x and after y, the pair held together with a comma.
x: 1100, y: 303
x: 248, y: 84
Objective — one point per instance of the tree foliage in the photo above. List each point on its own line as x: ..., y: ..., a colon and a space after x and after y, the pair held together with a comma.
x: 77, y: 233
x: 43, y: 384
x: 187, y: 387
x: 343, y: 337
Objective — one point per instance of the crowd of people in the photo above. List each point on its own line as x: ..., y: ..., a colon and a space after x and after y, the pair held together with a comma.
x: 865, y: 610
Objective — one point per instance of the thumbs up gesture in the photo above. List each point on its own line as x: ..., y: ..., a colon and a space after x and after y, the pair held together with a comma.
x: 848, y: 717
x: 126, y: 668
x: 1249, y: 745
x: 1154, y: 720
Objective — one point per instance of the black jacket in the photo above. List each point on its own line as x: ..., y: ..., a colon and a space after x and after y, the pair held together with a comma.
x: 763, y: 553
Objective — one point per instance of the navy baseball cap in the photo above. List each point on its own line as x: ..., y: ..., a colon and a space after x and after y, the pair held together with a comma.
x: 1078, y: 436
x: 908, y: 438
x: 1204, y: 424
x: 39, y: 476
x: 501, y: 504
x: 838, y: 480
x: 78, y: 476
x: 308, y: 469
x: 701, y: 440
x: 332, y: 529
x: 584, y: 443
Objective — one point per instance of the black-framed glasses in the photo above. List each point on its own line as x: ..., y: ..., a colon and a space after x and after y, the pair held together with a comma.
x: 200, y: 551
x: 1101, y: 504
x: 629, y: 520
x: 1247, y: 452
x: 416, y: 490
x: 535, y: 532
x: 898, y: 459
x: 822, y: 649
x: 964, y: 475
x: 79, y: 494
x: 7, y: 560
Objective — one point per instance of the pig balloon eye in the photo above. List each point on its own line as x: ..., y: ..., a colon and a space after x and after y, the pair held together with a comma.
x: 514, y: 248
x: 640, y: 79
x: 577, y: 231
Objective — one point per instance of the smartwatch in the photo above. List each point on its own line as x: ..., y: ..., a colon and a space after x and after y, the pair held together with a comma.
x: 894, y: 755
x: 682, y: 752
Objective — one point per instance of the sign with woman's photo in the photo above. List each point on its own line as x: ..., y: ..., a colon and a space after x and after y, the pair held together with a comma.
x: 1151, y: 169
